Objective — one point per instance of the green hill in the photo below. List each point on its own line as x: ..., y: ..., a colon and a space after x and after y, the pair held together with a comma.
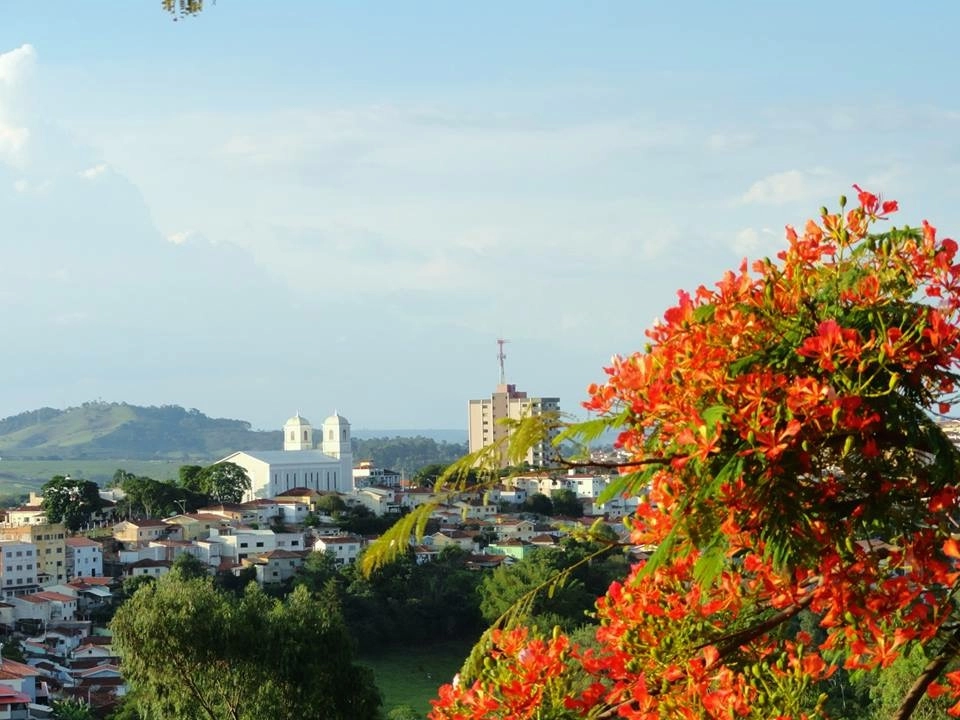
x: 118, y: 430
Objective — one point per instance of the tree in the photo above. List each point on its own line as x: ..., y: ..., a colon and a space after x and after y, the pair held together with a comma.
x: 189, y: 567
x: 191, y: 651
x: 71, y: 501
x: 72, y: 710
x: 566, y: 502
x: 539, y: 504
x: 225, y: 482
x: 781, y: 432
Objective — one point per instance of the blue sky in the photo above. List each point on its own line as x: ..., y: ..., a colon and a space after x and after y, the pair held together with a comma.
x: 305, y: 206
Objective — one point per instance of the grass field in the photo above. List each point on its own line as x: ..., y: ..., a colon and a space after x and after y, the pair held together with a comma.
x: 18, y: 477
x: 411, y: 676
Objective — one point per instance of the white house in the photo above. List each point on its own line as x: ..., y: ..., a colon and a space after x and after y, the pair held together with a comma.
x: 345, y: 548
x: 300, y: 464
x: 84, y: 557
x: 379, y: 501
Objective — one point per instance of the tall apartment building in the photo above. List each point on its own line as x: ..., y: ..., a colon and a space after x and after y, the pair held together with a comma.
x: 50, y: 541
x: 508, y: 402
x: 18, y: 568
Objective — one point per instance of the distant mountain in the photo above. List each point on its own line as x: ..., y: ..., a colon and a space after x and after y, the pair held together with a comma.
x: 121, y: 431
x: 118, y: 431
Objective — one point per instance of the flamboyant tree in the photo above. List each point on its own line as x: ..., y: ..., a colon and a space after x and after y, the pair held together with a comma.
x: 783, y: 433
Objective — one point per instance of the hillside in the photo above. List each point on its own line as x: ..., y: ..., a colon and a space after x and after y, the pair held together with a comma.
x: 118, y: 430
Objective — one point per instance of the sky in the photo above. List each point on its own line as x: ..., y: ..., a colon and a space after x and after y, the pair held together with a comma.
x: 308, y: 206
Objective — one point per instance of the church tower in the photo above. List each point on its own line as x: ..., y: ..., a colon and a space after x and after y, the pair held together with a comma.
x: 297, y: 434
x: 336, y: 443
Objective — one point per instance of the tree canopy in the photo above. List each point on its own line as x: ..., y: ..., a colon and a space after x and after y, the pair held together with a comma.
x: 782, y: 433
x: 70, y: 501
x: 192, y: 651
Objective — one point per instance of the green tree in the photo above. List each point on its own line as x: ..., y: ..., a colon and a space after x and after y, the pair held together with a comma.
x: 567, y: 605
x: 225, y: 482
x: 539, y: 504
x: 193, y: 652
x: 566, y: 502
x: 331, y: 504
x: 71, y: 710
x: 191, y: 477
x: 70, y: 501
x: 188, y: 567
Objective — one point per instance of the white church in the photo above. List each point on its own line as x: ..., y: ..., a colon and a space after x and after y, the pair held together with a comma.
x: 300, y: 464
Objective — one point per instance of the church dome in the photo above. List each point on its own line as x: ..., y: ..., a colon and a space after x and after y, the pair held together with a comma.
x: 296, y: 420
x: 336, y: 419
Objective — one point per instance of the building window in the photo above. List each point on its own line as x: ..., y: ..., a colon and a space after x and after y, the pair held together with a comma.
x: 304, y: 435
x: 259, y: 544
x: 292, y: 436
x: 243, y: 545
x: 9, y: 568
x: 330, y: 435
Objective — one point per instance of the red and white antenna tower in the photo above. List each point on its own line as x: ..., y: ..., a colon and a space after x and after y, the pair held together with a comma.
x: 501, y: 357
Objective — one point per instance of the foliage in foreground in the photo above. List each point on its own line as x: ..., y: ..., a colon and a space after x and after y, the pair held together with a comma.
x: 191, y: 651
x: 781, y: 428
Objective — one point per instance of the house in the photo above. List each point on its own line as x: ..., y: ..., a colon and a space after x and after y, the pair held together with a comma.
x: 276, y: 566
x: 22, y: 678
x: 151, y: 568
x: 415, y: 497
x: 514, y: 548
x: 84, y: 557
x: 460, y: 538
x: 514, y: 529
x: 292, y: 510
x: 62, y: 606
x: 141, y: 532
x: 262, y: 511
x: 197, y: 525
x: 29, y: 514
x: 239, y: 543
x: 344, y: 548
x: 475, y: 510
x: 380, y: 501
x: 365, y: 474
x: 14, y: 705
x: 235, y: 513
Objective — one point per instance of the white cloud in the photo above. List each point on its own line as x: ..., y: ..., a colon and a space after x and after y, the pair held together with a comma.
x: 788, y: 187
x: 21, y: 186
x: 94, y: 172
x: 15, y: 67
x: 179, y: 238
x: 17, y: 64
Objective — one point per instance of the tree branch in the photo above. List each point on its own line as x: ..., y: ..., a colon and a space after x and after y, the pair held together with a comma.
x: 930, y: 673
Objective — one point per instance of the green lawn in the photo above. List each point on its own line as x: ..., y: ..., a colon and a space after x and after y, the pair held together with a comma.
x: 411, y: 676
x: 19, y: 477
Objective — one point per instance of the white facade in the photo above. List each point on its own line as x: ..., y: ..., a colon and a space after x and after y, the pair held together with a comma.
x: 18, y: 570
x: 506, y: 402
x: 238, y: 544
x: 345, y: 548
x: 299, y: 464
x: 84, y: 558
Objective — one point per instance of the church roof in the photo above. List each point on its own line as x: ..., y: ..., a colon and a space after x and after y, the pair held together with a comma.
x: 291, y: 457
